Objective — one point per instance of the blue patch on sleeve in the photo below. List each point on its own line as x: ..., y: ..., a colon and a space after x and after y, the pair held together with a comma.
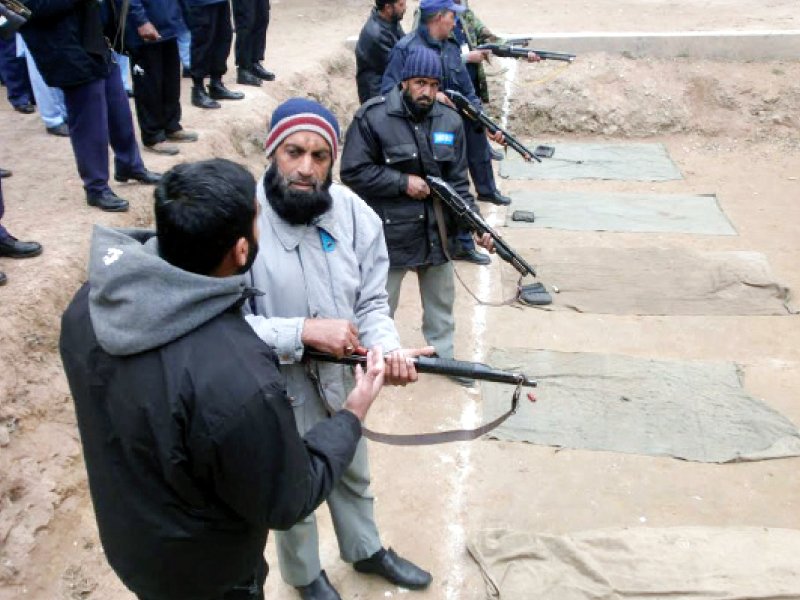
x: 444, y: 138
x: 327, y: 241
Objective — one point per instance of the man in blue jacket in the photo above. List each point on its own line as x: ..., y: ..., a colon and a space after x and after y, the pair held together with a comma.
x: 151, y: 37
x: 68, y: 43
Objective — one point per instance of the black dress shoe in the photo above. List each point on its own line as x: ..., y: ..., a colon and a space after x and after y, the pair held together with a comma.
x: 262, y: 73
x: 59, y: 130
x: 246, y: 77
x: 319, y: 589
x: 25, y: 109
x: 107, y: 201
x: 5, y: 173
x: 201, y: 100
x: 148, y: 177
x: 3, y: 278
x: 472, y: 255
x: 11, y: 247
x: 398, y: 571
x: 495, y: 198
x: 218, y: 91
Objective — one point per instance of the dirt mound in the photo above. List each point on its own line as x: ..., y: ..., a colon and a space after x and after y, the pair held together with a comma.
x: 611, y: 95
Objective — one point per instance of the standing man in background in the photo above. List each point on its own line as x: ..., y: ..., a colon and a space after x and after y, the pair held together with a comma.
x: 252, y: 20
x: 209, y: 22
x: 151, y: 35
x: 378, y: 36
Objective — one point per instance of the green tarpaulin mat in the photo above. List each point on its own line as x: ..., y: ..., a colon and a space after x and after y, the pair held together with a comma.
x: 695, y: 411
x: 623, y: 162
x: 583, y: 211
x: 659, y: 281
x: 643, y: 563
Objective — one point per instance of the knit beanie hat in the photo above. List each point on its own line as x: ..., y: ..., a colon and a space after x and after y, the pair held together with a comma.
x: 302, y: 114
x: 422, y: 62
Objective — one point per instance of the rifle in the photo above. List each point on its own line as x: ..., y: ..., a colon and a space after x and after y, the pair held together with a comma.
x: 445, y: 192
x: 436, y: 366
x: 508, y: 51
x: 466, y: 108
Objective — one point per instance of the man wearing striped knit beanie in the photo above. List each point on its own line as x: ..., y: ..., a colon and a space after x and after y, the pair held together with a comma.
x: 322, y: 265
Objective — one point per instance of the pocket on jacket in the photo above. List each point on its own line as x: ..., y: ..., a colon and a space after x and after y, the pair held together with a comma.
x: 405, y: 228
x: 400, y: 153
x: 444, y: 153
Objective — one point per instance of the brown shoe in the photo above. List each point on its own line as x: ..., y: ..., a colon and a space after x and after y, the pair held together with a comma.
x: 182, y: 135
x: 163, y: 148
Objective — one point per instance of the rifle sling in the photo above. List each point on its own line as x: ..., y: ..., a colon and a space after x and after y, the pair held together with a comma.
x: 420, y: 439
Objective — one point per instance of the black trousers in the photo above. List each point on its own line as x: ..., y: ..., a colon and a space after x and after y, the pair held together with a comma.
x: 252, y: 589
x: 156, y: 71
x: 211, y: 39
x: 251, y: 18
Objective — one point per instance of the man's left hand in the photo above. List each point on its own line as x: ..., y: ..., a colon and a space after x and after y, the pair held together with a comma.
x: 496, y: 137
x: 486, y: 241
x: 400, y: 366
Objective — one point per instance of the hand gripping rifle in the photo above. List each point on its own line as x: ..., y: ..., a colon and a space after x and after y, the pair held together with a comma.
x: 438, y: 366
x: 13, y: 15
x: 466, y: 108
x: 509, y: 51
x: 532, y: 294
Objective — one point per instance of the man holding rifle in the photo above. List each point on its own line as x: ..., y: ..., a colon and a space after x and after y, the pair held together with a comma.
x: 322, y: 265
x: 393, y: 142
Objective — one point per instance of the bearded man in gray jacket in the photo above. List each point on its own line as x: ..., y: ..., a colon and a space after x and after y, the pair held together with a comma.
x: 323, y: 264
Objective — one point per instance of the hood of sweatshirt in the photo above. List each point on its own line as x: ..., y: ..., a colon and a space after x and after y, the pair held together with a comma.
x: 138, y: 301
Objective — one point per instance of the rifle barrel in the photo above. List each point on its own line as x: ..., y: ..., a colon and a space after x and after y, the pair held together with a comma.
x: 438, y: 366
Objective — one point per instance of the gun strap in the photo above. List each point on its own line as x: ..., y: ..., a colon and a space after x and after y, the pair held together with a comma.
x: 419, y: 439
x: 439, y: 212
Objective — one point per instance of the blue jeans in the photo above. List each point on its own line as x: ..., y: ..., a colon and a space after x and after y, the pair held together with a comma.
x: 49, y: 100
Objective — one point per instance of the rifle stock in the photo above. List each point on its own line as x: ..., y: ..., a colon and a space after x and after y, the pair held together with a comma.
x: 445, y: 192
x: 438, y: 366
x: 466, y: 108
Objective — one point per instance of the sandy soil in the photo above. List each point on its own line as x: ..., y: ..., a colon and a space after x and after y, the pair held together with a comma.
x: 731, y: 128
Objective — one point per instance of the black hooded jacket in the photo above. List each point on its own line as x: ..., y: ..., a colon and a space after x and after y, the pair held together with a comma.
x: 189, y: 438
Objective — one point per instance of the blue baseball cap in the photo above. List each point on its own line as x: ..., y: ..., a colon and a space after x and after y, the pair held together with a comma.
x: 436, y: 5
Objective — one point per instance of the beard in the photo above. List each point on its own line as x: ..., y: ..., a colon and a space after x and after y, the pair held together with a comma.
x: 294, y: 206
x: 417, y: 109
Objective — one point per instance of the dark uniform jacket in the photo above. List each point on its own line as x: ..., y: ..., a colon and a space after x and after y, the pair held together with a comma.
x: 165, y: 15
x: 191, y: 446
x: 455, y: 75
x: 376, y: 40
x: 383, y: 146
x: 67, y: 42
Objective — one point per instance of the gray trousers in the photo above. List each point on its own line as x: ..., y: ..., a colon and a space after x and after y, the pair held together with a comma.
x: 351, y: 507
x: 437, y: 292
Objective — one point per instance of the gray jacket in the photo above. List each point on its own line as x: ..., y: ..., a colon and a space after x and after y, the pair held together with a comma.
x: 344, y: 280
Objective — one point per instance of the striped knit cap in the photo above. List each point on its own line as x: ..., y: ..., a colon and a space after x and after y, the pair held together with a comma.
x: 302, y: 114
x: 422, y: 62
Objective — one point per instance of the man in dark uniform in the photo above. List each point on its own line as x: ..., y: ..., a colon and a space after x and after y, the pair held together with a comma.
x: 437, y: 20
x: 378, y: 36
x: 189, y: 438
x: 251, y: 18
x: 10, y: 246
x: 392, y: 143
x: 67, y: 41
x: 209, y: 22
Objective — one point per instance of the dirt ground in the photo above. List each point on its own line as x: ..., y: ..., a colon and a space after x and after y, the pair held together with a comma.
x: 732, y: 129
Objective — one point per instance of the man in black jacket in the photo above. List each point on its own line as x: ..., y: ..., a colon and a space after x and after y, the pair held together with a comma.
x: 189, y: 438
x: 67, y: 41
x: 376, y: 40
x: 392, y: 143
